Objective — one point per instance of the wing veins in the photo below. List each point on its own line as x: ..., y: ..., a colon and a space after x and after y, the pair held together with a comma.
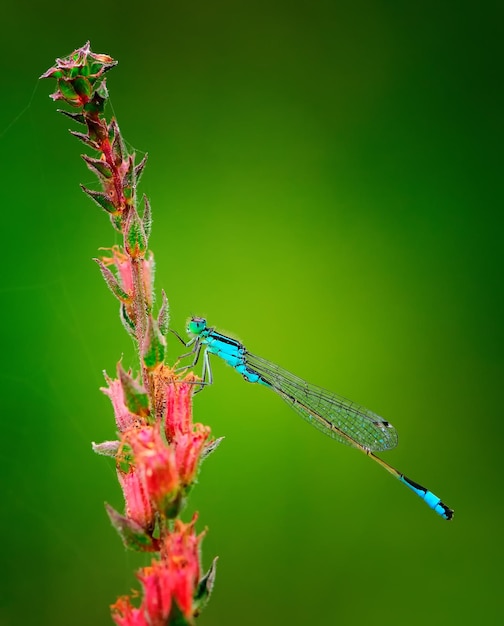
x: 334, y: 415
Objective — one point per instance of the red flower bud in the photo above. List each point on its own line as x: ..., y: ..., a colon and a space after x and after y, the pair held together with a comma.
x: 155, y: 462
x: 181, y: 554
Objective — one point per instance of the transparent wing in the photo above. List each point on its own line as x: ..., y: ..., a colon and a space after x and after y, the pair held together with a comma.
x: 334, y: 415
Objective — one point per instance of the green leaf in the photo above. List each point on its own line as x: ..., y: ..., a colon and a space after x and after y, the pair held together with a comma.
x: 129, y: 176
x: 127, y: 322
x: 135, y: 241
x: 66, y: 89
x: 140, y: 168
x: 154, y: 349
x: 99, y: 167
x: 112, y: 282
x: 52, y: 72
x: 205, y: 588
x: 101, y: 91
x: 101, y: 199
x: 133, y: 535
x: 77, y: 117
x: 85, y: 139
x: 97, y: 131
x: 210, y: 447
x: 147, y: 217
x: 116, y: 220
x: 118, y: 149
x: 163, y: 320
x: 82, y: 86
x: 136, y: 398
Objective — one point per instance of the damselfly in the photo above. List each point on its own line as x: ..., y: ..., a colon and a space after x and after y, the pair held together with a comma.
x: 334, y: 415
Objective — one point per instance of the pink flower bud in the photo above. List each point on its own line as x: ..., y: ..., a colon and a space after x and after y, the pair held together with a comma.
x: 136, y: 496
x: 124, y: 419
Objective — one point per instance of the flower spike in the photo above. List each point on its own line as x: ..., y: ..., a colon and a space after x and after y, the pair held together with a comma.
x: 158, y: 449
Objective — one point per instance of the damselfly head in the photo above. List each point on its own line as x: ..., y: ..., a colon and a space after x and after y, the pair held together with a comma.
x: 196, y: 325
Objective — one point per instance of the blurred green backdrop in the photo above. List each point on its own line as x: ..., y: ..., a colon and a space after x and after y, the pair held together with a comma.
x: 326, y: 184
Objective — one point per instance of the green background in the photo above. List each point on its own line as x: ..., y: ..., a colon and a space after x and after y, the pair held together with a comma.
x: 326, y: 185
